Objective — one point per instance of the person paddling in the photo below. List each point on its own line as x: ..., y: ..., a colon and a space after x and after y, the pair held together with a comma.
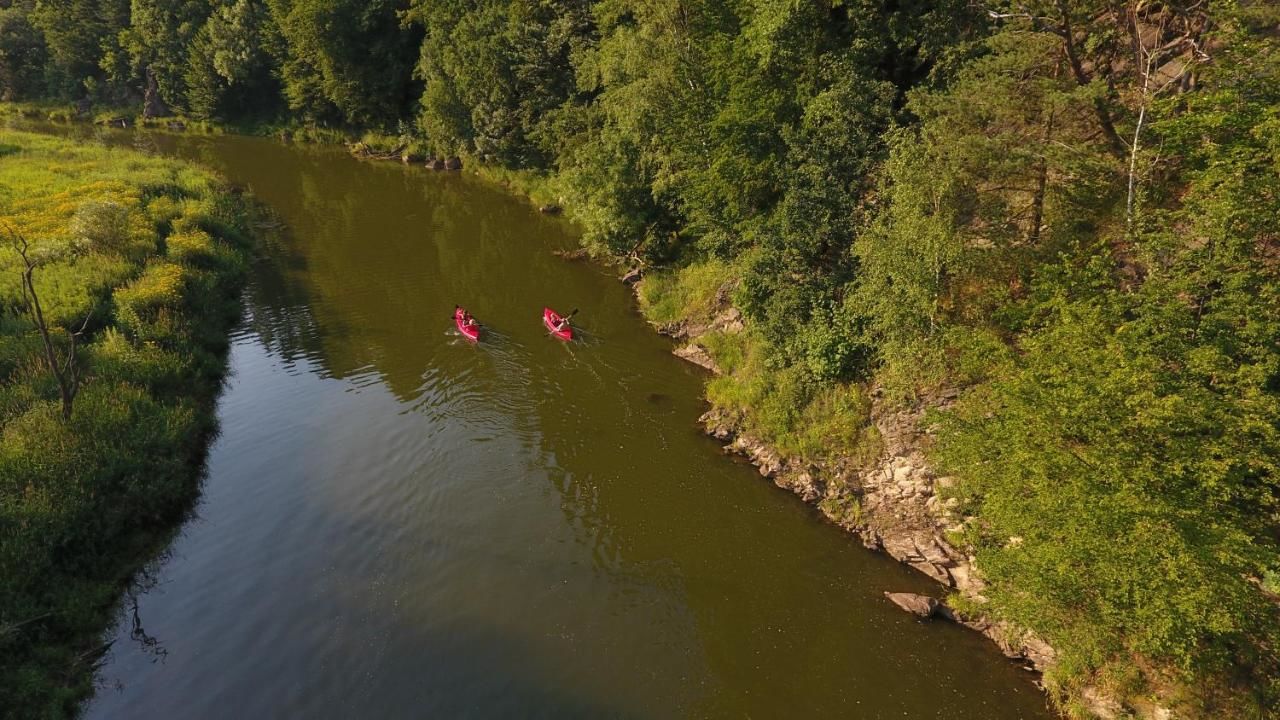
x: 467, y: 324
x: 563, y: 323
x: 557, y: 324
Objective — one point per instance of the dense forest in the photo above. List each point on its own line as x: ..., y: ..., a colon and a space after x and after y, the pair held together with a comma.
x: 1064, y: 212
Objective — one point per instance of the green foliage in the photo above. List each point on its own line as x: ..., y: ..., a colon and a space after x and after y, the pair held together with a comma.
x: 79, y: 35
x: 786, y: 407
x: 345, y: 60
x: 691, y: 293
x: 1119, y: 455
x: 230, y: 67
x: 1063, y: 212
x: 156, y: 42
x: 82, y: 501
x: 493, y: 71
x: 22, y: 55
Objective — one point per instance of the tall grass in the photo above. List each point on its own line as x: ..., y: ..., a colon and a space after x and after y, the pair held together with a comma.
x: 690, y: 293
x: 155, y: 248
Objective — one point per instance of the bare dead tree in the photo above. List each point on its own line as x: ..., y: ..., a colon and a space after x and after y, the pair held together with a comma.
x: 1166, y: 45
x: 1171, y: 55
x: 63, y: 366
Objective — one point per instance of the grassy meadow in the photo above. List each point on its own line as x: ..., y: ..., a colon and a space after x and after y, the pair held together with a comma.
x: 147, y: 256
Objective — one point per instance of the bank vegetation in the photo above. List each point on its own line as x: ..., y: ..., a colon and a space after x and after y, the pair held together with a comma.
x: 119, y: 281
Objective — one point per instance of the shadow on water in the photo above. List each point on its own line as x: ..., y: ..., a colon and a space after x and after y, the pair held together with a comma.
x: 398, y: 522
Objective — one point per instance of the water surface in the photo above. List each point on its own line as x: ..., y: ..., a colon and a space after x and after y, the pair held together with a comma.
x: 397, y: 523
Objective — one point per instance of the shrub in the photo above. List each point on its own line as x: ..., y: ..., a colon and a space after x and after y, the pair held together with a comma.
x: 143, y: 302
x: 162, y: 211
x: 194, y: 247
x: 106, y: 226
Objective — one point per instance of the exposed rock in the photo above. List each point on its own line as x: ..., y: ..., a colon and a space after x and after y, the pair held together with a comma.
x: 633, y: 276
x: 550, y: 209
x: 435, y: 163
x: 453, y: 163
x: 675, y: 330
x: 579, y: 254
x: 729, y: 321
x: 1104, y: 707
x: 697, y: 355
x: 898, y: 510
x: 892, y: 503
x: 717, y: 426
x: 176, y: 125
x: 409, y: 156
x: 919, y: 605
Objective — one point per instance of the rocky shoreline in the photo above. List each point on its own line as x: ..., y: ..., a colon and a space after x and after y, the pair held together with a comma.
x: 892, y: 504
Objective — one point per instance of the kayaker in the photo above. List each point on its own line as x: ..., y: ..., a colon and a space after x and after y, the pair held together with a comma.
x: 562, y: 324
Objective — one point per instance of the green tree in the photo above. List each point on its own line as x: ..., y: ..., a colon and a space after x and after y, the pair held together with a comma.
x: 496, y: 71
x: 22, y: 54
x: 158, y: 42
x: 230, y: 67
x: 347, y: 60
x: 1120, y: 463
x: 79, y: 34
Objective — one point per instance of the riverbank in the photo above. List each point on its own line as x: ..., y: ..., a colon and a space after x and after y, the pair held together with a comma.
x: 828, y: 442
x: 810, y: 444
x: 143, y: 259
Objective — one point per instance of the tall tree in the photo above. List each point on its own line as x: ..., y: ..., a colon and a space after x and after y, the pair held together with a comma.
x: 230, y: 69
x: 22, y: 54
x: 78, y: 34
x: 346, y: 60
x: 158, y: 42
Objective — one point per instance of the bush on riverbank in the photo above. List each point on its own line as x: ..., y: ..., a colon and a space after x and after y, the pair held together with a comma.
x: 84, y: 502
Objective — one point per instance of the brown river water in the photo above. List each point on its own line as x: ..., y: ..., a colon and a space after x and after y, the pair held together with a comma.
x: 398, y: 523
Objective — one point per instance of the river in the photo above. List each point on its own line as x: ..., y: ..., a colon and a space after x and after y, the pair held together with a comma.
x: 398, y: 523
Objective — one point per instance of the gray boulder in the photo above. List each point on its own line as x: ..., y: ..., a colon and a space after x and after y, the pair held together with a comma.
x: 919, y: 605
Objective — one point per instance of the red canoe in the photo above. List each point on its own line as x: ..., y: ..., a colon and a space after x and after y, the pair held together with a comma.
x: 471, y: 331
x: 552, y: 319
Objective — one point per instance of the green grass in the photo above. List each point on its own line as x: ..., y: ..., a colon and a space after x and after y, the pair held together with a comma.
x: 801, y: 418
x: 688, y: 293
x: 540, y: 188
x: 156, y: 248
x: 40, y: 110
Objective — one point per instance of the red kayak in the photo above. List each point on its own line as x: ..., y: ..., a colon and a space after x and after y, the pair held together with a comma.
x: 467, y: 325
x: 551, y: 319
